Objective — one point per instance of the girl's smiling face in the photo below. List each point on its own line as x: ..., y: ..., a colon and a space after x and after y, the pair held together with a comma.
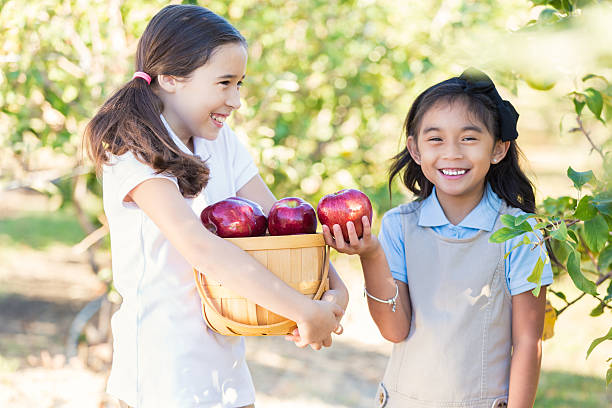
x: 455, y: 151
x: 199, y: 105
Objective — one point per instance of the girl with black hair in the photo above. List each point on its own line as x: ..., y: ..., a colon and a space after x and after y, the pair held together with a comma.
x: 466, y: 325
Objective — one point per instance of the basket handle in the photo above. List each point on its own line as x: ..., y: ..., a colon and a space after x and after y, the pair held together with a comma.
x: 248, y: 328
x: 323, y: 285
x: 256, y: 329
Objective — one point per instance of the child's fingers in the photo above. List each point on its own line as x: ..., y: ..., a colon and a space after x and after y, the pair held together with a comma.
x: 338, y: 311
x: 329, y: 240
x: 339, y: 330
x: 293, y: 336
x: 367, y: 228
x: 352, y: 233
x: 340, y: 244
x: 301, y: 343
x: 315, y: 346
x: 327, y: 342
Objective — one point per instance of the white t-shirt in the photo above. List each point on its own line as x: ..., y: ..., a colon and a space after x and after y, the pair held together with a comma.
x: 164, y: 355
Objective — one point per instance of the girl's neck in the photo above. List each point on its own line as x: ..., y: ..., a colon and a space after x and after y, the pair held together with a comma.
x: 182, y: 132
x: 457, y: 207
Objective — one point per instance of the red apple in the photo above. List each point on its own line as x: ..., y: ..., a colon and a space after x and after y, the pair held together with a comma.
x: 344, y: 206
x: 292, y: 215
x: 234, y: 217
x: 261, y: 221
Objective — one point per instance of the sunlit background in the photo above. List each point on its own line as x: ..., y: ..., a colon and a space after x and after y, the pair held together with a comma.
x: 328, y: 86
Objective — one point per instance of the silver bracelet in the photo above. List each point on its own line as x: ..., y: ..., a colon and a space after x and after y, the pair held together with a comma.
x: 392, y: 301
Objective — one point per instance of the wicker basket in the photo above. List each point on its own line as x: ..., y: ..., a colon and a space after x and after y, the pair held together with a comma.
x: 301, y: 261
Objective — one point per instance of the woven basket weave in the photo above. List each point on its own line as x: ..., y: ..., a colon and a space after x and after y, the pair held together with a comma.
x: 301, y: 261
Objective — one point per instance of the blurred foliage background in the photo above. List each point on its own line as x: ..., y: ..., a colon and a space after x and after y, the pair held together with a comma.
x: 328, y: 86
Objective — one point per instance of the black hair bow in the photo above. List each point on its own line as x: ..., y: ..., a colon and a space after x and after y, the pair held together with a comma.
x: 475, y: 81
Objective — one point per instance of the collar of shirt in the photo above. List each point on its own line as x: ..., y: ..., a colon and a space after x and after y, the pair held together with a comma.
x: 482, y: 217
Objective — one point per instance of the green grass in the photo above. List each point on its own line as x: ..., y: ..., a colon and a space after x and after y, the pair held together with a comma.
x: 566, y: 390
x: 39, y: 230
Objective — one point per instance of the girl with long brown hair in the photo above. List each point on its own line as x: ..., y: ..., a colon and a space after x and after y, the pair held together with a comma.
x: 165, y: 152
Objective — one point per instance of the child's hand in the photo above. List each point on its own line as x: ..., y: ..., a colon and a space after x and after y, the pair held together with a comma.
x: 362, y: 247
x: 333, y: 296
x: 327, y: 342
x: 316, y: 328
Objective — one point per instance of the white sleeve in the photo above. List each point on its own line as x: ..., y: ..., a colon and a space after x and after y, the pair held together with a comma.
x: 242, y: 162
x: 125, y: 172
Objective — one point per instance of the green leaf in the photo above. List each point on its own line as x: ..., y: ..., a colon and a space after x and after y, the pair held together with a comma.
x: 605, y: 258
x: 580, y: 178
x: 599, y: 309
x: 581, y: 282
x: 603, y: 202
x: 505, y: 234
x: 578, y: 106
x: 598, y: 341
x: 508, y: 220
x: 594, y: 101
x: 573, y: 236
x: 525, y: 226
x: 536, y: 276
x: 609, y: 376
x: 561, y: 250
x: 609, y: 292
x: 540, y: 225
x: 585, y: 210
x: 596, y: 232
x: 560, y: 295
x: 591, y: 76
x: 522, y: 218
x: 548, y: 16
x: 560, y: 233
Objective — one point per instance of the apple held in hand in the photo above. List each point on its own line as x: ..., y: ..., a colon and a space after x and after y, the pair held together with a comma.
x: 292, y: 215
x: 234, y: 217
x: 344, y: 206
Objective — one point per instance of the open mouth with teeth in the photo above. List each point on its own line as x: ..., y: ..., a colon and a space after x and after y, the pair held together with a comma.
x: 218, y: 119
x: 454, y: 172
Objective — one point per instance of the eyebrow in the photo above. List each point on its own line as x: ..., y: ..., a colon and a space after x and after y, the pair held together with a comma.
x: 229, y: 76
x: 463, y: 129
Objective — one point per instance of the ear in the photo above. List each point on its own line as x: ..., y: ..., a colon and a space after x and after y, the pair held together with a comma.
x: 499, y: 151
x: 411, y: 145
x: 168, y: 83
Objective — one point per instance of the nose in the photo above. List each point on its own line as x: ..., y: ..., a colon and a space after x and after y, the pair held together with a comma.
x: 233, y: 100
x: 453, y: 151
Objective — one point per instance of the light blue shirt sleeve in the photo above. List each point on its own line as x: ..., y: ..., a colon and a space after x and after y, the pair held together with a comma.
x: 520, y: 263
x: 391, y: 239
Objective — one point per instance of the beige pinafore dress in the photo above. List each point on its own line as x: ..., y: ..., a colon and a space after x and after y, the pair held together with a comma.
x: 457, y: 353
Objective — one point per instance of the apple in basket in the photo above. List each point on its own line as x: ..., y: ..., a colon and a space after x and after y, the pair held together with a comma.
x: 344, y: 206
x: 292, y: 215
x: 234, y: 217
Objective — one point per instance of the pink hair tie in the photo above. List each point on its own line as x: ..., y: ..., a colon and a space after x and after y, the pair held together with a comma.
x: 143, y: 75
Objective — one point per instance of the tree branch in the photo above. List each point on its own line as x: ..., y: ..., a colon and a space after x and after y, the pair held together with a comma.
x: 586, y: 134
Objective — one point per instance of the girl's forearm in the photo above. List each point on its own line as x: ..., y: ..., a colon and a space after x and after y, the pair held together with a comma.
x: 241, y: 273
x: 524, y: 374
x: 393, y: 325
x: 336, y: 284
